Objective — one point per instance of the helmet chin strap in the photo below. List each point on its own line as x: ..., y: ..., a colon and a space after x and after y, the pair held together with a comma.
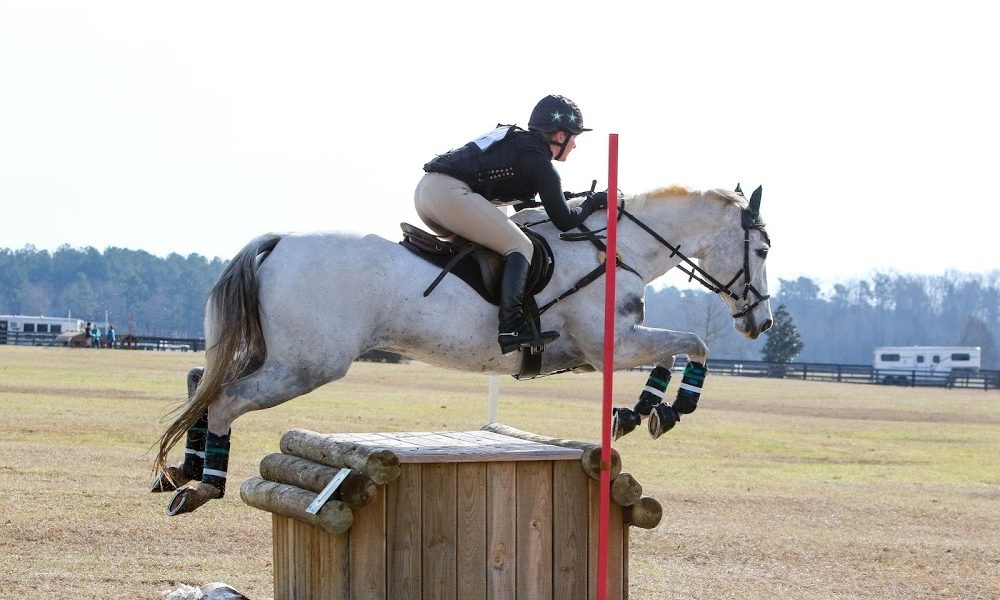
x: 562, y: 146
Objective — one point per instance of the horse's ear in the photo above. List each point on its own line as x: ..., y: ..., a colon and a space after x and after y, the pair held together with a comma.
x: 754, y: 206
x: 738, y: 190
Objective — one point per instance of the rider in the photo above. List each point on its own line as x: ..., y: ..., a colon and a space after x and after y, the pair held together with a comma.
x: 462, y: 189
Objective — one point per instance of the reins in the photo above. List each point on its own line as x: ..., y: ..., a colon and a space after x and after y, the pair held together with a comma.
x: 694, y: 272
x: 592, y: 237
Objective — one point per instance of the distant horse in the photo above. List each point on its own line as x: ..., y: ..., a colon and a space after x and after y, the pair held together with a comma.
x: 292, y: 312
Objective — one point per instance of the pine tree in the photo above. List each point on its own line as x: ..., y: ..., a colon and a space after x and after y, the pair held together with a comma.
x: 783, y: 342
x: 976, y: 333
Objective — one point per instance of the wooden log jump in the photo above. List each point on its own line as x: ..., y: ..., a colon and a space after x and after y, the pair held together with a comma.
x: 474, y: 514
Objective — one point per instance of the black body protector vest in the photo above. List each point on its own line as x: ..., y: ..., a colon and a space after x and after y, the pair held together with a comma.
x: 489, y: 160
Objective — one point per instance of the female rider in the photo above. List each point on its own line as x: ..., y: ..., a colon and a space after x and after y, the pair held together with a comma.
x: 461, y: 191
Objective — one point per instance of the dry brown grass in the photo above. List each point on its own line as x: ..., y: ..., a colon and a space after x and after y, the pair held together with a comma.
x: 772, y: 489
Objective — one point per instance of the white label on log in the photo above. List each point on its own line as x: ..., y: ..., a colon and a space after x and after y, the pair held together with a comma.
x: 328, y: 491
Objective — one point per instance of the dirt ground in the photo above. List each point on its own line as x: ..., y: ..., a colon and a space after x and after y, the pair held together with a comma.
x: 772, y: 489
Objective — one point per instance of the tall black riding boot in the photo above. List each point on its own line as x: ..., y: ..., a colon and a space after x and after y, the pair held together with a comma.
x: 516, y: 331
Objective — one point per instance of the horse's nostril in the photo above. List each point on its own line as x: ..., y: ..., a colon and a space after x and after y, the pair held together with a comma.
x: 767, y: 325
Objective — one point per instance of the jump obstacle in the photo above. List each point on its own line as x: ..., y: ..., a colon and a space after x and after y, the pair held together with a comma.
x: 497, y: 513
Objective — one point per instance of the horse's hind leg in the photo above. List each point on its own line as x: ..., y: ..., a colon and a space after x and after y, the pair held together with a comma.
x: 270, y: 386
x: 174, y: 476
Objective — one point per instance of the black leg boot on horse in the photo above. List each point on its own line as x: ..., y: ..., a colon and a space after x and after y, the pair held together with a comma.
x: 206, y: 459
x: 516, y: 330
x: 213, y: 480
x: 174, y: 476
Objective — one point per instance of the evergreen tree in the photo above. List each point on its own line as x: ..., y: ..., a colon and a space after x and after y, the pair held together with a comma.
x: 783, y: 342
x: 976, y: 333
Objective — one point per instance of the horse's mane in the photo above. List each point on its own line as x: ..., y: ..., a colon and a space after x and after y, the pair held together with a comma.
x: 679, y: 191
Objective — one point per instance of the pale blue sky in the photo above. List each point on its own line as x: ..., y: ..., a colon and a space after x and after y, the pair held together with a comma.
x: 193, y: 127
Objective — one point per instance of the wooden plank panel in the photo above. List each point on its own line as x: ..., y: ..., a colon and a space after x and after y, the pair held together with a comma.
x: 439, y: 531
x: 316, y: 578
x: 282, y: 566
x: 403, y: 509
x: 625, y: 554
x: 615, y: 554
x: 332, y: 561
x: 569, y: 530
x: 616, y: 546
x: 501, y: 531
x: 594, y: 500
x: 367, y: 552
x: 534, y: 530
x: 471, y: 564
x: 299, y: 550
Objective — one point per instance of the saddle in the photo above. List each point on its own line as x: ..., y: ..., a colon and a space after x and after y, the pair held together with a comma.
x: 482, y: 269
x: 476, y: 265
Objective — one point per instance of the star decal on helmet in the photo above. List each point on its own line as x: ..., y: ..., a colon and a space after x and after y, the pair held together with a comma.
x: 557, y: 116
x: 572, y: 118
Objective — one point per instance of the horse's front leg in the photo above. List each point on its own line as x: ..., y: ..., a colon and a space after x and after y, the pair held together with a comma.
x: 638, y: 345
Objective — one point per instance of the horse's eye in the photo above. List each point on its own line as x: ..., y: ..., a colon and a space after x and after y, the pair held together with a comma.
x: 761, y: 252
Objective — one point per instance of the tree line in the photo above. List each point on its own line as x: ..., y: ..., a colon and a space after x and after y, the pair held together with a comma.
x: 166, y: 297
x: 844, y: 324
x: 158, y: 296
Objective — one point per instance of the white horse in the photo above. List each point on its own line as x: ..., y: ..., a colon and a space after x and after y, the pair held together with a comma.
x: 292, y: 312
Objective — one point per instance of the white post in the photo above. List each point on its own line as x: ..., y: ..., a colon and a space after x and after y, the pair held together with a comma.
x: 494, y: 395
x: 491, y: 413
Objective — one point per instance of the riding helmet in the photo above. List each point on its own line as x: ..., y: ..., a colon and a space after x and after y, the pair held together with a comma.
x: 556, y: 113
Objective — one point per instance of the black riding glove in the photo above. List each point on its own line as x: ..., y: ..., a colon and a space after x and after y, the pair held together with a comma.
x: 599, y: 200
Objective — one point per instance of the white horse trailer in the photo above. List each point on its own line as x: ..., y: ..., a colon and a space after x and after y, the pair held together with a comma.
x: 926, y: 364
x: 35, y: 330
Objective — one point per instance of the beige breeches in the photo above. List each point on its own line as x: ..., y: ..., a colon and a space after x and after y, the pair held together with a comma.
x: 448, y: 207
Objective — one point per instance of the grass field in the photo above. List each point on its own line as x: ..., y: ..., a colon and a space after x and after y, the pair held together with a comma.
x: 772, y: 489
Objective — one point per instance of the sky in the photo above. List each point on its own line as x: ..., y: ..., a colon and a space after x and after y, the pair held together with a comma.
x: 194, y: 127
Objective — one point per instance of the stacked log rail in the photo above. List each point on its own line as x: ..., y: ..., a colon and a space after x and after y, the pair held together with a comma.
x: 640, y: 511
x: 291, y: 480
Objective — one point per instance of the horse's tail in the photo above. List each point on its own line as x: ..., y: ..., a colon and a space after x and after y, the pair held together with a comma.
x: 234, y: 336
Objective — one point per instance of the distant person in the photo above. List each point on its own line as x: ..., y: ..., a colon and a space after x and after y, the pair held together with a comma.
x: 95, y: 337
x: 111, y: 336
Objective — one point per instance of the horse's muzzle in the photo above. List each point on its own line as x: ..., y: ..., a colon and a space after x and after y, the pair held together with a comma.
x: 750, y: 329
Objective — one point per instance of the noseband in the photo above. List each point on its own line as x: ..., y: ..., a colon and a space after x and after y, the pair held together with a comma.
x: 750, y: 221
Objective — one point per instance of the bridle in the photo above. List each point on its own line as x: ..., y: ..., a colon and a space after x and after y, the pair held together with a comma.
x: 750, y: 219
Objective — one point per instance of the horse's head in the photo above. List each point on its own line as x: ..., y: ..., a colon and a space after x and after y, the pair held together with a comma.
x: 733, y: 260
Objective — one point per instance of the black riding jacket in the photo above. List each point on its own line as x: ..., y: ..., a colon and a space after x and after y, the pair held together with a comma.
x: 511, y: 165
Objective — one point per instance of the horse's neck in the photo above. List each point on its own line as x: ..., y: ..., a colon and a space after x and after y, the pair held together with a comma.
x: 685, y: 223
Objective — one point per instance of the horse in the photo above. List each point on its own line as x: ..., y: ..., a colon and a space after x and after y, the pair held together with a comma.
x: 291, y: 312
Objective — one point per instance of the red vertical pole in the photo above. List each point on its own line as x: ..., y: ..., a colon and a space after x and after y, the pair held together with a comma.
x: 608, y: 368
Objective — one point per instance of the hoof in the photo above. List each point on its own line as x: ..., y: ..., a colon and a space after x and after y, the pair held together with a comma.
x: 661, y: 420
x: 190, y: 497
x: 623, y: 421
x: 169, y: 480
